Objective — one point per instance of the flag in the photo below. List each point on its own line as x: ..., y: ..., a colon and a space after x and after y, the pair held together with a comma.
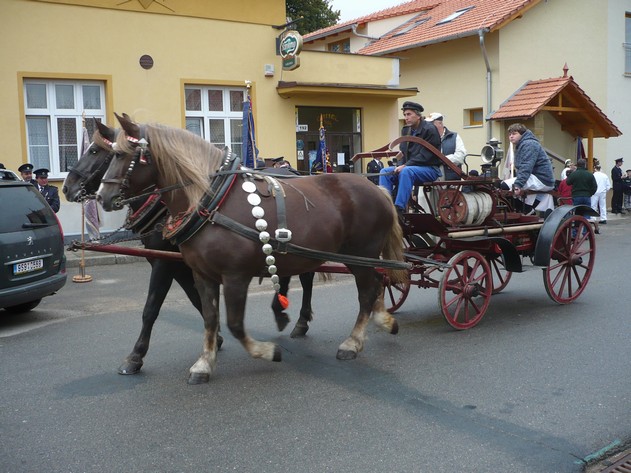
x: 509, y: 163
x: 320, y: 161
x: 580, y: 151
x: 90, y: 206
x: 250, y: 151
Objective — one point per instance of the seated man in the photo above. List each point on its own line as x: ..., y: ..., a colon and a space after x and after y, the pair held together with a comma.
x: 418, y: 164
x: 534, y: 169
x: 451, y: 145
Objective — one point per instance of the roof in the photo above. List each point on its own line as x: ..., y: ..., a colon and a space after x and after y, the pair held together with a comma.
x: 435, y: 21
x: 565, y: 100
x: 406, y: 8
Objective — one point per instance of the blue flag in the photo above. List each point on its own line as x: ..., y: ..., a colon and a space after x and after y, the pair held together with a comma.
x: 250, y: 151
x: 320, y: 164
x: 580, y: 150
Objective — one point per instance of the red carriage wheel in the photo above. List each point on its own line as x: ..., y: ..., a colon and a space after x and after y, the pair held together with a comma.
x: 498, y: 272
x: 464, y: 292
x: 572, y: 256
x: 395, y: 294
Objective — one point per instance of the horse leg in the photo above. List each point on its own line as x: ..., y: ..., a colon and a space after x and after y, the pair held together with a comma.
x: 185, y: 279
x: 235, y: 291
x: 204, y: 366
x: 369, y: 288
x: 306, y: 312
x: 281, y: 317
x: 159, y: 284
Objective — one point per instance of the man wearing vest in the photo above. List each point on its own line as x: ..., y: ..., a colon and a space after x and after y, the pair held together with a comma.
x: 451, y: 145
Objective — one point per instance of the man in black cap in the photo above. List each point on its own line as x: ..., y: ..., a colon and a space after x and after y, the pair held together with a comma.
x: 418, y: 164
x: 26, y: 171
x: 50, y: 193
x: 618, y: 187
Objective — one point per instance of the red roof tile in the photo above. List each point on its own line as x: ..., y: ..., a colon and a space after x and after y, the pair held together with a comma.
x: 483, y: 14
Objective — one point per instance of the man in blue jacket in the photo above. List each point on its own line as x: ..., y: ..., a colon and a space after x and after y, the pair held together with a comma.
x: 534, y: 169
x: 418, y: 164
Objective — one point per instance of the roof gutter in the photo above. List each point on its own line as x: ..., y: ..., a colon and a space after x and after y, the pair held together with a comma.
x: 481, y: 33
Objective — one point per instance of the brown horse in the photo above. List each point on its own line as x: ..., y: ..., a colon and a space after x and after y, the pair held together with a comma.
x: 215, y: 213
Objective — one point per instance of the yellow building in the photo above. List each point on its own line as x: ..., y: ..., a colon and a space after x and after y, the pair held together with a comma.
x: 183, y: 63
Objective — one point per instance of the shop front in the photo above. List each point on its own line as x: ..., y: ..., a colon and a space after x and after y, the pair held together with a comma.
x: 342, y: 132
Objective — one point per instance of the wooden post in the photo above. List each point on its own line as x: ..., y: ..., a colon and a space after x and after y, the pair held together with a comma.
x: 82, y: 277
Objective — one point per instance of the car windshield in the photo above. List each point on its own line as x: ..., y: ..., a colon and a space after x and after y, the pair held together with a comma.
x: 21, y: 207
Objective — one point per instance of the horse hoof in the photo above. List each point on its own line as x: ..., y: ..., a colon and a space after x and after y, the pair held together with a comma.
x: 346, y: 355
x: 129, y: 367
x: 299, y: 331
x: 277, y: 354
x: 281, y: 321
x: 219, y: 342
x: 395, y: 328
x: 198, y: 378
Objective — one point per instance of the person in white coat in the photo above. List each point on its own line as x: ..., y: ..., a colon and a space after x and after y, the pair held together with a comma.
x: 599, y: 200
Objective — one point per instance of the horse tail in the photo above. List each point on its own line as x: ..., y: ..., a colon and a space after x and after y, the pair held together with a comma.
x: 393, y: 246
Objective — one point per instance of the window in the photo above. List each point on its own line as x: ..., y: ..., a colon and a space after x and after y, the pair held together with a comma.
x: 454, y: 15
x: 411, y: 26
x: 627, y: 44
x: 216, y: 114
x: 343, y: 46
x: 473, y: 117
x: 54, y: 111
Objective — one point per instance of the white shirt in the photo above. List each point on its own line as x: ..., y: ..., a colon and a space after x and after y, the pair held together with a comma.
x: 603, y: 182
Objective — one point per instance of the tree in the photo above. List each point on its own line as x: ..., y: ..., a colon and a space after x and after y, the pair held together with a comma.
x: 316, y: 14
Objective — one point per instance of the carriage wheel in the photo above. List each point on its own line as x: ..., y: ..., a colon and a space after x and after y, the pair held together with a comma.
x: 464, y: 292
x: 499, y: 273
x: 571, y: 260
x: 395, y: 294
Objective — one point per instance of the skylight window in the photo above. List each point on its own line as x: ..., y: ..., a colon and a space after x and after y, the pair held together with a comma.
x: 410, y: 27
x: 454, y: 15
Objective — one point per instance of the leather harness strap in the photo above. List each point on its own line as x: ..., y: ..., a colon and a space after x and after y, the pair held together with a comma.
x: 240, y: 229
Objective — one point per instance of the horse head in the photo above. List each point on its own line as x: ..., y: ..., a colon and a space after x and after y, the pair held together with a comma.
x: 85, y: 177
x: 132, y: 158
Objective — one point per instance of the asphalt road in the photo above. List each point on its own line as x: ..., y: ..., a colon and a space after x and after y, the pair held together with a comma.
x: 535, y: 387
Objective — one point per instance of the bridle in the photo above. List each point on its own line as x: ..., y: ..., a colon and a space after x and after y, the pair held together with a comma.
x: 142, y: 155
x: 98, y: 172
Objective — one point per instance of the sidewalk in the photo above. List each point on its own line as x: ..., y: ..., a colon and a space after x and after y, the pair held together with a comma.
x: 94, y: 258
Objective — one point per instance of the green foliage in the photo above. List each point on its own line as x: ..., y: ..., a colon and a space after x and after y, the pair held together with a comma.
x: 316, y: 14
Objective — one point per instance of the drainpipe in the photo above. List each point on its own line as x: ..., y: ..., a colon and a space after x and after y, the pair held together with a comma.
x: 354, y: 29
x: 488, y: 81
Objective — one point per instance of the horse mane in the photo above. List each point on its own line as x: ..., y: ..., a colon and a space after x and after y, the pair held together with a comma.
x: 181, y: 157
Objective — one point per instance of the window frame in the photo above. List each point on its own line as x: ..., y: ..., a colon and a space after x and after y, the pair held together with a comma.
x: 204, y: 116
x: 52, y: 114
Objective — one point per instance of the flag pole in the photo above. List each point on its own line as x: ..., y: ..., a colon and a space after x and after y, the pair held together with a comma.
x: 82, y: 277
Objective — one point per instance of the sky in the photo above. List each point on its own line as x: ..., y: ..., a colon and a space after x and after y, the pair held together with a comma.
x: 351, y: 9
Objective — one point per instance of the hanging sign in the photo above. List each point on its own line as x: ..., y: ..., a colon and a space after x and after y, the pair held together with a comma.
x: 290, y: 47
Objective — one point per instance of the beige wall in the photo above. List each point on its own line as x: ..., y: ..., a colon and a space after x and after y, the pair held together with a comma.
x: 451, y: 78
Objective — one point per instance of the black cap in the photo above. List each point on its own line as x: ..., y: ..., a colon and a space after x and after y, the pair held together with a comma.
x: 417, y: 107
x: 2, y: 166
x: 25, y: 167
x: 619, y: 160
x: 42, y: 172
x: 278, y: 160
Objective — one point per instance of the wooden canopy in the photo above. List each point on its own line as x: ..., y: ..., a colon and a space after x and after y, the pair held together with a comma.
x: 567, y: 102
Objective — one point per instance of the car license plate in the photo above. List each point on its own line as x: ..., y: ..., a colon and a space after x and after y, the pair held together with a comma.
x: 28, y: 266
